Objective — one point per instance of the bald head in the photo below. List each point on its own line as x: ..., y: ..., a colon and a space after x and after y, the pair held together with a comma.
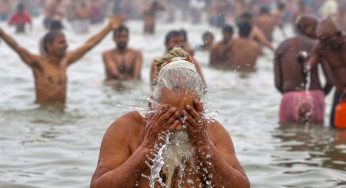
x: 307, y: 24
x: 327, y: 29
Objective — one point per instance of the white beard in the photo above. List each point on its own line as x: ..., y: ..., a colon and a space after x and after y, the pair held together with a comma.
x: 179, y: 151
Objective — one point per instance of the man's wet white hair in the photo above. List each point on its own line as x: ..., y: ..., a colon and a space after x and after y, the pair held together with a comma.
x: 179, y: 74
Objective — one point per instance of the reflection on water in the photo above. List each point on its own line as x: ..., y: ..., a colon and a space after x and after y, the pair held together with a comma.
x: 322, y: 147
x: 45, y: 148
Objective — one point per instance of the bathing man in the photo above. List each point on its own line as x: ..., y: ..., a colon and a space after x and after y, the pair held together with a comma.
x: 331, y: 48
x: 122, y: 63
x: 50, y: 70
x: 199, y: 147
x: 291, y: 81
x: 220, y: 52
x: 244, y: 60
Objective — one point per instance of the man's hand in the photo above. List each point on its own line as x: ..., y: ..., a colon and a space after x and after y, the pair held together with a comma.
x: 158, y: 123
x: 196, y: 124
x: 116, y: 21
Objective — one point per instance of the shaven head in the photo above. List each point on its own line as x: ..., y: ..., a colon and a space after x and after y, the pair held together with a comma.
x: 327, y: 29
x: 306, y: 24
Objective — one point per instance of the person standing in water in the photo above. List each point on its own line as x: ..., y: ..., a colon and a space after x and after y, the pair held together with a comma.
x: 198, y: 152
x: 50, y: 70
x: 241, y: 60
x: 20, y: 19
x: 150, y: 17
x: 122, y: 63
x: 174, y: 39
x: 299, y: 103
x: 331, y: 48
x: 219, y: 53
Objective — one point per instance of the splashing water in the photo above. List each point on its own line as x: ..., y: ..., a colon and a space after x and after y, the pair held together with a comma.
x: 157, y: 163
x: 308, y: 104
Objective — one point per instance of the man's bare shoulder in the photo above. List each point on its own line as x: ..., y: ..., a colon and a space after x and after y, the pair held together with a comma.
x: 108, y: 52
x: 217, y: 131
x: 127, y: 125
x: 135, y: 51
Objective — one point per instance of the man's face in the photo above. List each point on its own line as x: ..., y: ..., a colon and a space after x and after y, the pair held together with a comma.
x: 176, y: 41
x: 208, y: 39
x: 59, y: 45
x: 310, y: 30
x: 227, y: 36
x: 177, y: 97
x: 121, y: 39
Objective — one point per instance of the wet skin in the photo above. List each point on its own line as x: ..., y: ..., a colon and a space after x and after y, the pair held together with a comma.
x: 122, y: 63
x: 130, y: 138
x: 50, y: 70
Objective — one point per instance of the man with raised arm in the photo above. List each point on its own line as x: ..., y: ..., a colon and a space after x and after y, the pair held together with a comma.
x: 122, y: 63
x: 331, y: 49
x: 195, y: 151
x: 50, y: 70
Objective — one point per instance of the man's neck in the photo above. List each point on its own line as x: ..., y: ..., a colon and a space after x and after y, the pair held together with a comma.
x: 121, y: 51
x: 53, y: 59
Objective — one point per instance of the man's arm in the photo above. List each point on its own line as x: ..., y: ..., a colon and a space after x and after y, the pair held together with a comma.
x: 117, y: 167
x: 153, y: 73
x: 110, y: 66
x: 93, y: 41
x: 23, y: 53
x: 226, y: 169
x: 138, y: 65
x: 329, y: 77
x: 259, y: 36
x: 278, y: 69
x: 214, y: 149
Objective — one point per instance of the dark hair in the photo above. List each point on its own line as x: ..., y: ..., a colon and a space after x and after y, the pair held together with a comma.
x: 228, y: 28
x: 171, y: 34
x: 264, y: 10
x: 120, y: 29
x: 281, y: 5
x: 56, y: 25
x: 20, y: 7
x: 205, y: 34
x: 246, y: 15
x: 183, y: 33
x: 244, y: 29
x: 49, y: 38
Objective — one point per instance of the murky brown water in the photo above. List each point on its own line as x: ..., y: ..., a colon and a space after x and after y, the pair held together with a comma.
x: 43, y: 148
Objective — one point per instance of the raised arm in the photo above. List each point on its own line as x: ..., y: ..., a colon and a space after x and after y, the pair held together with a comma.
x: 23, y: 53
x: 75, y: 55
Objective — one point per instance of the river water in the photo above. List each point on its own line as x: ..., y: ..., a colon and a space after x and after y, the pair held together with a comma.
x: 43, y: 148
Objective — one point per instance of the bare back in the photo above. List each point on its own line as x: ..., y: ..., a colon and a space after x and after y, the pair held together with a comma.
x: 336, y: 59
x: 291, y: 71
x: 244, y: 53
x: 267, y: 24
